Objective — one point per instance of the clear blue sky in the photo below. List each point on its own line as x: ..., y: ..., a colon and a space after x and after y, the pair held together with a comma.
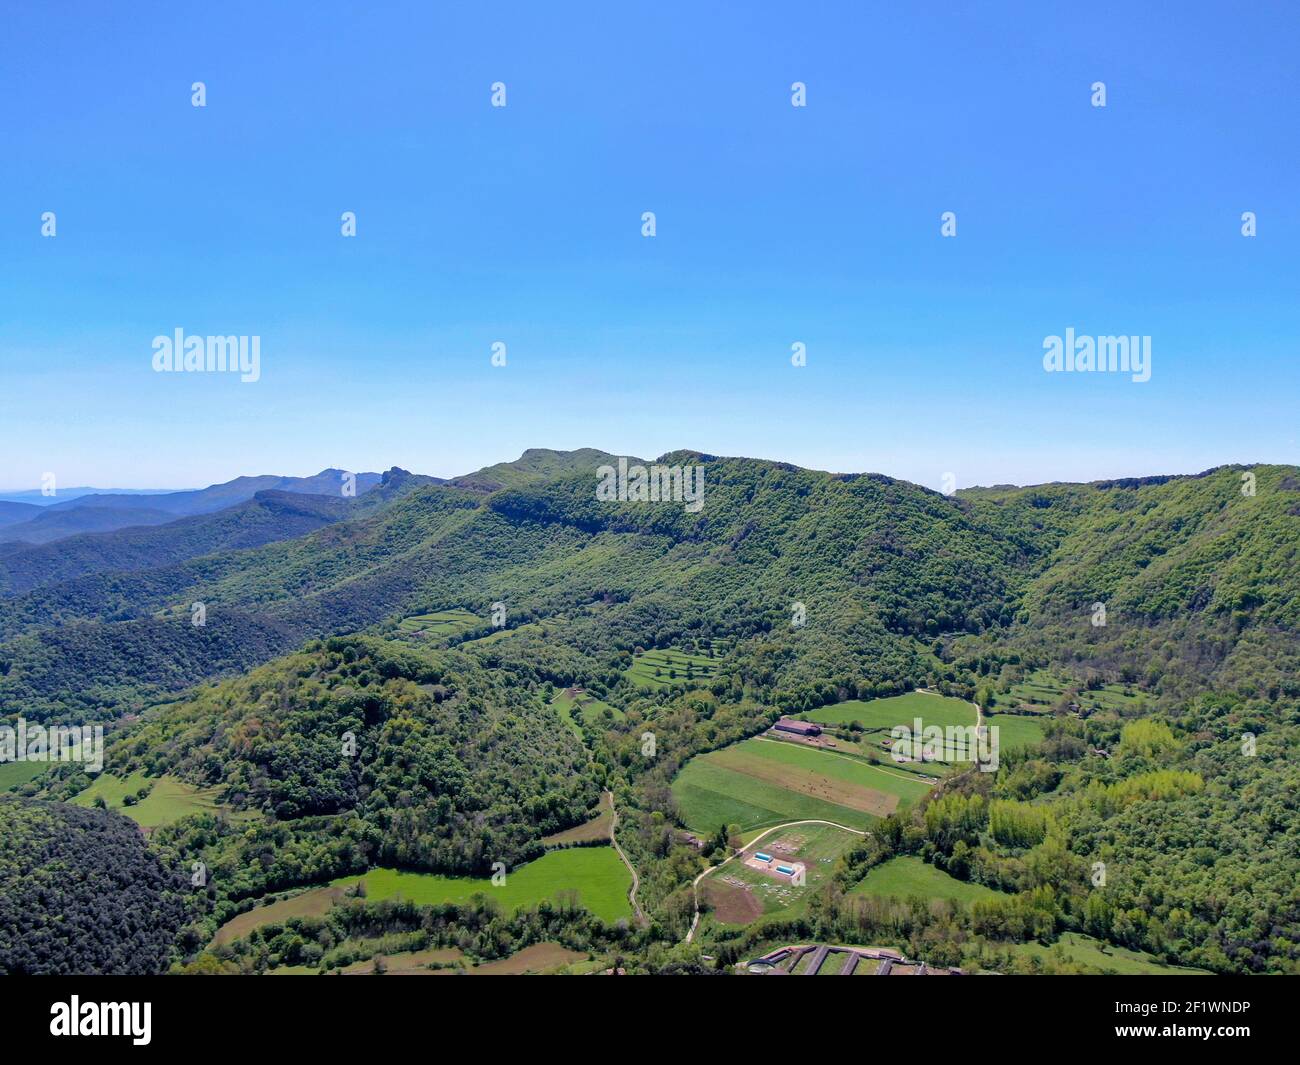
x: 522, y: 225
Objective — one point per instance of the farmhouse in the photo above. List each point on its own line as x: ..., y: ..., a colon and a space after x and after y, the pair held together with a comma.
x: 799, y: 728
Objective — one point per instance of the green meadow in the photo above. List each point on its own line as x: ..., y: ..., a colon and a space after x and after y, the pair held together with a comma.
x: 908, y: 876
x: 1015, y: 730
x: 596, y: 875
x: 895, y: 710
x: 13, y: 774
x: 168, y: 800
x: 1084, y: 950
x: 667, y: 667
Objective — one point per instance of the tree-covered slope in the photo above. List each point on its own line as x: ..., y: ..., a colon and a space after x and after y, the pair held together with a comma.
x: 80, y: 892
x: 878, y: 569
x: 449, y: 766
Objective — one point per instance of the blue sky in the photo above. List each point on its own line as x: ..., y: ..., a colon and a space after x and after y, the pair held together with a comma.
x: 523, y: 225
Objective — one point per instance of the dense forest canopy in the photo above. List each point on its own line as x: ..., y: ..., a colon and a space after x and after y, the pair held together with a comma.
x: 81, y: 892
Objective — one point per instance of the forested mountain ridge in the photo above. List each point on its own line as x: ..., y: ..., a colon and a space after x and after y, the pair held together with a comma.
x: 1198, y: 579
x: 14, y: 512
x: 535, y: 464
x: 881, y: 567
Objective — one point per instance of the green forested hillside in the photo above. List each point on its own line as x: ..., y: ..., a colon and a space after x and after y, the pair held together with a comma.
x: 456, y: 768
x: 883, y: 570
x: 799, y: 589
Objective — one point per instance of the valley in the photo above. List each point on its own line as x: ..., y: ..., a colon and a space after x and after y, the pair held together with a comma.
x: 396, y: 697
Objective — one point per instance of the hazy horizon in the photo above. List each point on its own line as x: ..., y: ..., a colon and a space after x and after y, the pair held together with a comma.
x: 644, y: 455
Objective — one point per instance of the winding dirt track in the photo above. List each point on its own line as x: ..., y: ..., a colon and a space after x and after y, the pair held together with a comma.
x: 636, y: 880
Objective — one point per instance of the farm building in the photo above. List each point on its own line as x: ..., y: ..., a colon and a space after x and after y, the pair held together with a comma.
x: 799, y: 728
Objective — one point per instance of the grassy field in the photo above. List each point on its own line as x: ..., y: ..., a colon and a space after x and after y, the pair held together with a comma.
x: 169, y: 800
x: 884, y: 714
x: 763, y: 782
x: 311, y: 903
x: 868, y: 747
x: 740, y: 894
x: 1084, y: 950
x: 596, y: 874
x: 597, y: 828
x: 1015, y: 730
x: 908, y: 875
x: 14, y: 773
x: 584, y: 712
x: 438, y: 625
x: 664, y: 668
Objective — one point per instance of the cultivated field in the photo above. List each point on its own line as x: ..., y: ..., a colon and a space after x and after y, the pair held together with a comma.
x: 407, y: 962
x: 763, y: 782
x: 539, y: 958
x: 664, y: 668
x: 739, y: 893
x: 312, y: 903
x: 908, y: 876
x: 877, y: 717
x: 439, y: 625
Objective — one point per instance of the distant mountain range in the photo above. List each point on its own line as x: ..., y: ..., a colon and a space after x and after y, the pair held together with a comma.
x: 38, y: 498
x: 30, y: 518
x: 90, y: 511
